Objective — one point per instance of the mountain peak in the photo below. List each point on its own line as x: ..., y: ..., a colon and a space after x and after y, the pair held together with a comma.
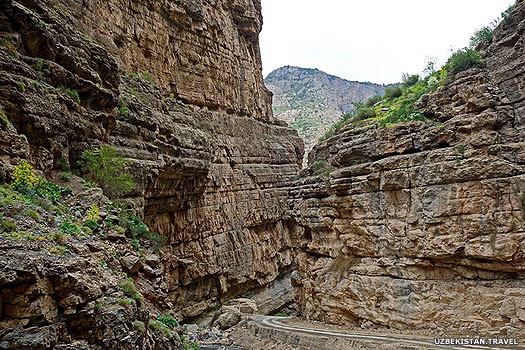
x: 311, y: 100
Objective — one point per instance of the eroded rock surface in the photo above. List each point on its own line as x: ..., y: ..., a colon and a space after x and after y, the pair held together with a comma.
x: 176, y: 87
x: 421, y: 225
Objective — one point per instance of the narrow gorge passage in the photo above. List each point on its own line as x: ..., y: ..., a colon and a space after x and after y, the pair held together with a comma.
x: 150, y: 199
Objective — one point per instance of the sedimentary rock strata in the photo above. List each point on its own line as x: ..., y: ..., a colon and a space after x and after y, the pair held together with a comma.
x: 421, y: 225
x: 176, y: 87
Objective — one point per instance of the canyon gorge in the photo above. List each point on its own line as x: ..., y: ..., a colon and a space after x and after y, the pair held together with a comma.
x: 411, y: 226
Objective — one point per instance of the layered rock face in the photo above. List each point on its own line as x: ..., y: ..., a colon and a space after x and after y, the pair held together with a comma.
x: 421, y: 225
x: 206, y: 52
x: 211, y: 165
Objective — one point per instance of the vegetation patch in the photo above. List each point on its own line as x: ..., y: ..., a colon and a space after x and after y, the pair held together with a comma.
x: 168, y: 321
x: 70, y: 228
x: 138, y: 229
x: 33, y: 215
x: 159, y: 327
x: 397, y: 105
x: 108, y: 169
x: 73, y: 94
x: 3, y: 118
x: 191, y: 346
x: 463, y: 59
x: 128, y: 288
x: 124, y: 110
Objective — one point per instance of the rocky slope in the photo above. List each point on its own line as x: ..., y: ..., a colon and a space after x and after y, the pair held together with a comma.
x: 311, y: 101
x: 176, y: 87
x: 421, y: 225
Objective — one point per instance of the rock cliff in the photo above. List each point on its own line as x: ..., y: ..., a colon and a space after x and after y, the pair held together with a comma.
x: 421, y: 225
x: 176, y: 87
x: 311, y: 101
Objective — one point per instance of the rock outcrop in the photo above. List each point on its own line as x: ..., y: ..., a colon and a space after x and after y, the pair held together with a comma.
x: 176, y: 87
x: 422, y: 225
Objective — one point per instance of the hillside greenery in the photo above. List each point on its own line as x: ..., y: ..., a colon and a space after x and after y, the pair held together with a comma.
x: 397, y: 104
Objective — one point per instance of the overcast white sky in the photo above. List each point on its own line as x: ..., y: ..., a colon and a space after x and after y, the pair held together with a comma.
x: 369, y: 40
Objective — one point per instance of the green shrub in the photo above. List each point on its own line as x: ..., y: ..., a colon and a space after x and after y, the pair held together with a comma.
x: 73, y: 94
x: 138, y: 229
x: 394, y: 91
x: 8, y: 226
x: 70, y: 228
x: 461, y: 149
x: 23, y: 176
x: 3, y: 118
x: 66, y: 177
x: 319, y: 166
x: 159, y: 327
x: 410, y: 80
x: 483, y: 36
x: 373, y: 100
x: 58, y: 249
x: 51, y: 191
x: 191, y: 346
x: 108, y: 170
x: 33, y: 215
x: 86, y: 230
x: 124, y: 110
x: 21, y: 87
x: 126, y: 302
x: 148, y: 77
x: 508, y: 11
x: 26, y: 182
x: 169, y: 321
x: 282, y: 314
x: 128, y: 288
x: 463, y: 59
x: 93, y: 225
x: 86, y: 184
x: 63, y: 164
x: 365, y: 113
x: 135, y: 244
x: 93, y: 213
x: 59, y: 237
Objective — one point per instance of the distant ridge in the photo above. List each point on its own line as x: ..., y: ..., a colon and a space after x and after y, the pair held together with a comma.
x: 311, y: 100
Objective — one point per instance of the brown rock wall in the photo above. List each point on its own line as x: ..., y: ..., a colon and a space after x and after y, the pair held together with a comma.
x: 421, y: 225
x: 206, y: 52
x: 211, y: 166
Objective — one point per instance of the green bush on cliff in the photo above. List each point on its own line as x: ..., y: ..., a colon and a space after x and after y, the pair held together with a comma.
x: 139, y: 229
x: 128, y: 288
x: 462, y: 60
x: 191, y: 346
x: 8, y: 226
x: 108, y: 170
x: 3, y: 118
x: 158, y: 327
x: 168, y: 321
x: 373, y: 100
x: 482, y: 36
x: 392, y: 92
x: 410, y: 79
x: 26, y: 182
